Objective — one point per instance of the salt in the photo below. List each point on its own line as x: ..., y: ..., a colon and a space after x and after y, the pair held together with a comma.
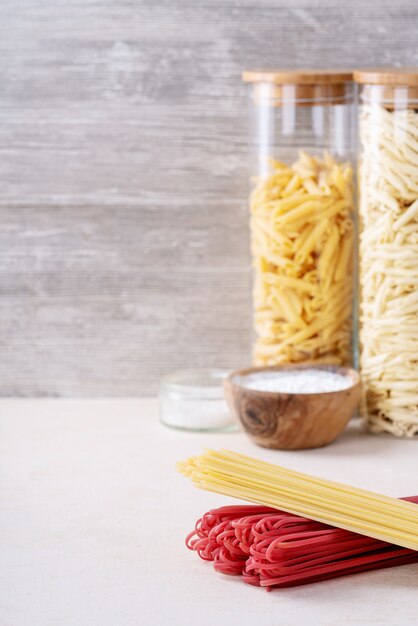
x: 194, y: 400
x: 296, y: 381
x: 195, y: 414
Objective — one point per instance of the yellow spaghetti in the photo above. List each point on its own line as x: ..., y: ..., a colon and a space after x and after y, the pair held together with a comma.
x: 357, y: 510
x: 302, y: 238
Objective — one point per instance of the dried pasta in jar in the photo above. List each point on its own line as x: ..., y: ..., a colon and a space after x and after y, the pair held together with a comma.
x: 388, y: 174
x: 302, y: 232
x: 303, y: 225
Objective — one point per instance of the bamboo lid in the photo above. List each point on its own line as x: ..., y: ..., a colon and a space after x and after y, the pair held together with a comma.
x: 393, y: 76
x: 298, y: 76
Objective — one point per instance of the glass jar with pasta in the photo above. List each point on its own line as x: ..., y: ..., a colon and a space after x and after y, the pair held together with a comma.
x: 388, y: 209
x: 303, y: 223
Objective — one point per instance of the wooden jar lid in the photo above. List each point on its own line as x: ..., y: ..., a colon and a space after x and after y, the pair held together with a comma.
x: 391, y: 87
x: 298, y: 77
x: 394, y: 76
x: 300, y: 87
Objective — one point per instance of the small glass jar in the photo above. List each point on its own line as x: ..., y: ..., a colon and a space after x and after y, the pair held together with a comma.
x: 194, y: 400
x: 388, y: 209
x: 303, y: 222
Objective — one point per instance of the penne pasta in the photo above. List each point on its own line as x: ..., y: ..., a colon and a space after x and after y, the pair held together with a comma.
x: 303, y: 243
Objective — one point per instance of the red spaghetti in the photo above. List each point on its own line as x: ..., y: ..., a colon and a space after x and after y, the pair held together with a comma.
x: 271, y: 548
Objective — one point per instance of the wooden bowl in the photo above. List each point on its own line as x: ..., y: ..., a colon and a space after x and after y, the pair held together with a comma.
x: 292, y: 421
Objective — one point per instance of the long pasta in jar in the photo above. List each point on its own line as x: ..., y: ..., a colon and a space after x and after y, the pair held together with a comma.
x: 388, y: 207
x: 303, y: 222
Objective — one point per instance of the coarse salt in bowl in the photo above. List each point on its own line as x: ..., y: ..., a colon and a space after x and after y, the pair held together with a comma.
x: 291, y: 407
x: 309, y: 380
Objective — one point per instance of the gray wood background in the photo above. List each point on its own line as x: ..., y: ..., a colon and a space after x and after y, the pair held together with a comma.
x: 123, y: 176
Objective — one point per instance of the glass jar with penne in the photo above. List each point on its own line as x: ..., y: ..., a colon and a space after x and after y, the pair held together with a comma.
x: 388, y: 210
x: 302, y: 212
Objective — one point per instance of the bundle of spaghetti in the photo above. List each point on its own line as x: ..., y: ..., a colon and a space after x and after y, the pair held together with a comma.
x: 302, y: 234
x: 271, y: 548
x: 388, y: 174
x: 365, y: 512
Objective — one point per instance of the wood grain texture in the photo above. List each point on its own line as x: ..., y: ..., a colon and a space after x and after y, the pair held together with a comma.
x: 292, y: 421
x: 123, y: 176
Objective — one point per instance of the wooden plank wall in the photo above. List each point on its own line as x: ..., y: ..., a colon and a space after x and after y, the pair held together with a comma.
x: 123, y: 176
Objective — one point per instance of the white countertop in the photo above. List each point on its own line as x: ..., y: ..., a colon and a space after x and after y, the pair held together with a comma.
x: 94, y: 517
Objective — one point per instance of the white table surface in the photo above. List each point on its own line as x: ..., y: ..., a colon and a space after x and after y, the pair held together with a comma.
x: 94, y: 515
